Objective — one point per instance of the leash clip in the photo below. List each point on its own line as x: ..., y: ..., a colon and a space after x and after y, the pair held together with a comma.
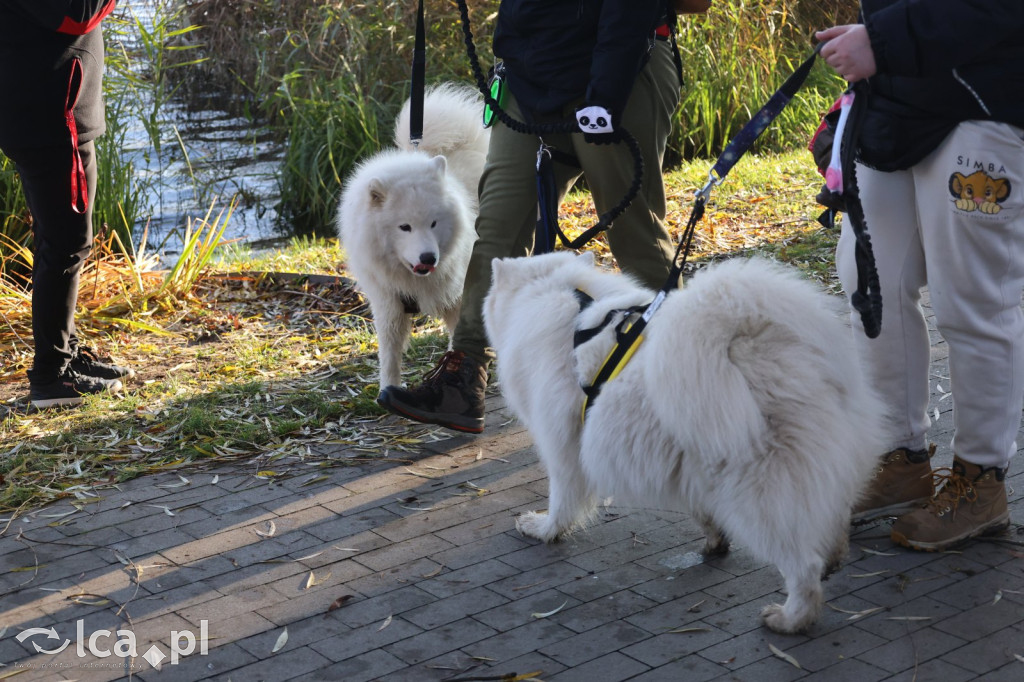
x: 704, y: 193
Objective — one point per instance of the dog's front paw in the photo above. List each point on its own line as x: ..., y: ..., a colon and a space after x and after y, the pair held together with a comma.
x: 778, y: 620
x: 538, y: 525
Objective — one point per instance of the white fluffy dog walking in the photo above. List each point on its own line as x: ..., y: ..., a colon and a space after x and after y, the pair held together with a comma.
x: 744, y: 404
x: 406, y: 220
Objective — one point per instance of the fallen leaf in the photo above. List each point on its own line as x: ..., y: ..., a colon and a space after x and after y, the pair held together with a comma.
x: 684, y: 631
x: 784, y: 656
x: 999, y: 595
x: 387, y: 622
x: 876, y: 553
x: 339, y: 602
x: 269, y: 533
x: 550, y: 613
x: 282, y: 639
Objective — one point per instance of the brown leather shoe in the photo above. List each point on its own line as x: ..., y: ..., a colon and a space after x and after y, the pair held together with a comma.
x: 970, y: 502
x: 451, y: 395
x: 902, y: 483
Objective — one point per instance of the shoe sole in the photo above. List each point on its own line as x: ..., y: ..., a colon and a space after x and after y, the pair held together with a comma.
x: 898, y: 509
x: 70, y: 401
x: 448, y: 421
x: 997, y: 527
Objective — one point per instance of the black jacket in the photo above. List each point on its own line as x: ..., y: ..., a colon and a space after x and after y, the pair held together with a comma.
x: 939, y: 62
x: 560, y: 51
x: 40, y: 43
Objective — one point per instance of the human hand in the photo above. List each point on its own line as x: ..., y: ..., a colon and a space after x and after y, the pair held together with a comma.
x: 848, y: 51
x: 596, y: 124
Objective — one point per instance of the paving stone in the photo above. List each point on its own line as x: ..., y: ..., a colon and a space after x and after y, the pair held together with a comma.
x: 834, y: 647
x: 691, y: 668
x: 448, y: 610
x: 990, y: 653
x: 217, y: 661
x: 532, y: 636
x: 665, y: 648
x: 447, y: 583
x: 361, y: 610
x: 934, y: 670
x: 911, y: 649
x: 598, y: 611
x: 519, y: 611
x: 400, y: 553
x: 284, y: 665
x: 982, y: 621
x: 373, y: 665
x: 594, y: 643
x: 496, y: 545
x: 611, y: 667
x: 359, y: 641
x: 849, y: 670
x: 742, y: 650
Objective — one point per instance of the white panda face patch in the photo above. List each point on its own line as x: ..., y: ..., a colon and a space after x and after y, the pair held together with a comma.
x: 594, y: 119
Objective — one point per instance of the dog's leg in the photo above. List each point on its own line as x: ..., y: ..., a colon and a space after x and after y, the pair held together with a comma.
x: 451, y: 318
x: 393, y: 326
x: 715, y: 541
x: 803, y: 587
x: 571, y: 503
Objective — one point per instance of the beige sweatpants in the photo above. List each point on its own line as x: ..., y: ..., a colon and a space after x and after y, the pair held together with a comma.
x: 953, y: 222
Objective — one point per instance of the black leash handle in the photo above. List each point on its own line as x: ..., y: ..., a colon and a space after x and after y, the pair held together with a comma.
x: 605, y: 220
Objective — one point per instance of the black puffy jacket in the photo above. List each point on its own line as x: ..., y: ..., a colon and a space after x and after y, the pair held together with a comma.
x: 558, y: 51
x: 939, y: 62
x: 48, y: 50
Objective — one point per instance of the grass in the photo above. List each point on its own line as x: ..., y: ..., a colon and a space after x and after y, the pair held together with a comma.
x: 278, y: 373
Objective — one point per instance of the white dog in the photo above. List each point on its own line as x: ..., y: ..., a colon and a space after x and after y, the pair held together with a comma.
x: 406, y: 220
x: 744, y: 404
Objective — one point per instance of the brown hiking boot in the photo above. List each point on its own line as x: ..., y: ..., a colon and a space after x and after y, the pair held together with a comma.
x: 971, y: 502
x: 451, y: 395
x: 902, y: 483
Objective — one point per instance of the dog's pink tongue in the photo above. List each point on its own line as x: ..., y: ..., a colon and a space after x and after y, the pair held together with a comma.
x: 423, y: 269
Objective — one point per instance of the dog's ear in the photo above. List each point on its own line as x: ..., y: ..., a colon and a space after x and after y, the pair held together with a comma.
x: 497, y: 271
x: 587, y: 258
x: 440, y: 164
x: 378, y: 192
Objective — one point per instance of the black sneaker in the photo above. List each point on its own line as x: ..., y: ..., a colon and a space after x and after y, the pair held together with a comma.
x: 451, y: 395
x: 69, y: 388
x: 88, y: 363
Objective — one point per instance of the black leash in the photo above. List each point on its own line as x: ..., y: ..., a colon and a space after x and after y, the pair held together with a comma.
x: 418, y: 82
x: 551, y: 225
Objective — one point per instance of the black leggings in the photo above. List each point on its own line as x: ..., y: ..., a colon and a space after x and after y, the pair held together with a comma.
x: 62, y: 242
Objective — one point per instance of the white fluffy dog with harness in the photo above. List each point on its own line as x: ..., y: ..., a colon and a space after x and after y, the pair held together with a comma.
x: 406, y: 220
x: 745, y: 404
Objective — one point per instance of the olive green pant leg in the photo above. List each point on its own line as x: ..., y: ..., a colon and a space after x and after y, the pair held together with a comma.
x: 505, y: 225
x: 638, y: 238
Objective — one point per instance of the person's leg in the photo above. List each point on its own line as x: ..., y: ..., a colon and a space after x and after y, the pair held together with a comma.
x: 898, y: 357
x: 972, y: 218
x: 638, y: 238
x: 62, y: 242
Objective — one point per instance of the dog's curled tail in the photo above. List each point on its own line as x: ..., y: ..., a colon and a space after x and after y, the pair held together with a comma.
x: 452, y: 122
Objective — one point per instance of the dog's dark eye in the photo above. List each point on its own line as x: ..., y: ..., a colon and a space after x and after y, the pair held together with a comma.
x: 433, y: 225
x: 405, y: 227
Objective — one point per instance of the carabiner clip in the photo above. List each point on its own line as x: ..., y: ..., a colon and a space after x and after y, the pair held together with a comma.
x: 704, y: 192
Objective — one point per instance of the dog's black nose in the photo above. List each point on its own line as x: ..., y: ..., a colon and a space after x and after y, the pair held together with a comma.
x: 428, y: 258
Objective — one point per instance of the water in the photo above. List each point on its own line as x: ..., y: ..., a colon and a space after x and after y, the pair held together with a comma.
x: 204, y: 156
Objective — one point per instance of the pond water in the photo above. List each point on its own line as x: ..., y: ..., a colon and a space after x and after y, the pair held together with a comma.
x: 204, y: 155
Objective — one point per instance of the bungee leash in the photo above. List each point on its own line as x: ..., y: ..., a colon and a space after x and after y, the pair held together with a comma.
x: 548, y: 227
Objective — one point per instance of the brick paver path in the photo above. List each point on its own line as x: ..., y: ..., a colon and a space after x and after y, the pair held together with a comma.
x: 413, y: 571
